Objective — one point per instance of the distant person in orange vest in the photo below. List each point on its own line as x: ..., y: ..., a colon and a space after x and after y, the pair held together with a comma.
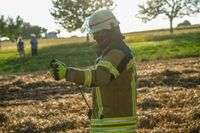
x: 34, y: 45
x: 20, y: 47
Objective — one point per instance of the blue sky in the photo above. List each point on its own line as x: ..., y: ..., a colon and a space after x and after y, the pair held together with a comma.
x: 37, y: 13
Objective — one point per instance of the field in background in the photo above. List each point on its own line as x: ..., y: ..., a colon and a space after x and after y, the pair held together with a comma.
x: 75, y: 51
x: 160, y: 33
x: 45, y: 42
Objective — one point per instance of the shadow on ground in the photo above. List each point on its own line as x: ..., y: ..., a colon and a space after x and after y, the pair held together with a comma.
x: 170, y: 78
x: 40, y: 90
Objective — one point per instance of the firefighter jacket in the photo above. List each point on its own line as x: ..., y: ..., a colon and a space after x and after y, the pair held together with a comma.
x: 114, y: 89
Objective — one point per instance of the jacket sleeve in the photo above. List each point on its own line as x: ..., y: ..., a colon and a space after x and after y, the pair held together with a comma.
x: 104, y: 71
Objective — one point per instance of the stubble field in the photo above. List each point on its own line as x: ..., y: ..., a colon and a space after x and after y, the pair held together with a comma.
x: 168, y: 100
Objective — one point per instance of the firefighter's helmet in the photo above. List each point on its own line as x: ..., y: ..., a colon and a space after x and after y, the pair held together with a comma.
x: 100, y: 20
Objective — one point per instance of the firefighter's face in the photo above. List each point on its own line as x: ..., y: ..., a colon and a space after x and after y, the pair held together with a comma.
x: 101, y: 39
x: 97, y: 36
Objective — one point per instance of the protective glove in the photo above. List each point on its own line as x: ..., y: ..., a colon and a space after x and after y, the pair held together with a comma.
x: 58, y: 69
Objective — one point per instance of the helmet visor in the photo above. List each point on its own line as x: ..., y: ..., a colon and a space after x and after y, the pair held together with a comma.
x: 85, y: 26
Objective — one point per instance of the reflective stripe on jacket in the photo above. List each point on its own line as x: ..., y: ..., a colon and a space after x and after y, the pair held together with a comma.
x: 114, y: 95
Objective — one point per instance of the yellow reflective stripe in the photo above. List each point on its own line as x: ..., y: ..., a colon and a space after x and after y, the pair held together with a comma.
x: 114, y: 121
x: 118, y: 118
x: 115, y: 129
x: 99, y: 101
x: 99, y: 58
x: 133, y: 88
x: 131, y: 63
x: 109, y: 66
x: 88, y: 78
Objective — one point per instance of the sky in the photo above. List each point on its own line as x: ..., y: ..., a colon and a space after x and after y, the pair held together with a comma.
x: 37, y: 12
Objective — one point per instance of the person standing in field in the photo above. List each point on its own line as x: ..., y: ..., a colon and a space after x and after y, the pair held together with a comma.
x: 20, y: 47
x: 113, y: 78
x: 34, y: 45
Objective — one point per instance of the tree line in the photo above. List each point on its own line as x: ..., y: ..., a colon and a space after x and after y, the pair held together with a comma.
x: 70, y: 14
x: 13, y: 28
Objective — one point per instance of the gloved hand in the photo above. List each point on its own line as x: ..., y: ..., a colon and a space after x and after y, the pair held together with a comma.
x: 58, y: 69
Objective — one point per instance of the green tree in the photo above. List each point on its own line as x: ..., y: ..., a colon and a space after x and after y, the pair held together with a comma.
x: 70, y: 14
x: 14, y: 27
x: 29, y: 29
x: 185, y: 23
x: 3, y: 26
x: 11, y: 28
x: 171, y: 9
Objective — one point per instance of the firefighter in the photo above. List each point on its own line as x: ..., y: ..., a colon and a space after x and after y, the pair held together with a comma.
x: 113, y: 78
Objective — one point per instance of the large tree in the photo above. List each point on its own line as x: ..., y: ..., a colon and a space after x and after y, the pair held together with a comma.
x: 70, y: 14
x: 171, y: 9
x: 29, y: 29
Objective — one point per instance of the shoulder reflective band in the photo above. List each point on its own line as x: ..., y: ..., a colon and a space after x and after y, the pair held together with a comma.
x: 115, y: 129
x: 109, y: 66
x: 114, y: 121
x: 131, y: 64
x: 88, y: 78
x: 99, y: 101
x: 98, y: 59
